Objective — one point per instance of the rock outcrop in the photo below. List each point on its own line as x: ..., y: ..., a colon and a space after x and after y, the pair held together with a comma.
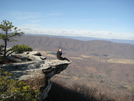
x: 24, y: 70
x: 34, y: 55
x: 30, y: 69
x: 26, y: 56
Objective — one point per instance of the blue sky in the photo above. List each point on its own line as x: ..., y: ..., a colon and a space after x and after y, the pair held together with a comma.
x: 109, y: 19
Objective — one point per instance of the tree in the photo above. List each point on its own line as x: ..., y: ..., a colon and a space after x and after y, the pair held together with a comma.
x: 9, y: 31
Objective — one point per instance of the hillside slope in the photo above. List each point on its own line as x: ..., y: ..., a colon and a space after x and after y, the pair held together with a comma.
x: 75, y: 47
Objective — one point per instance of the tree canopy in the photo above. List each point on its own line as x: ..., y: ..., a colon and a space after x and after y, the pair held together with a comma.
x: 7, y: 34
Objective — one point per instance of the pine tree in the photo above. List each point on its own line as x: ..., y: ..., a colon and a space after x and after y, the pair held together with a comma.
x: 8, y: 33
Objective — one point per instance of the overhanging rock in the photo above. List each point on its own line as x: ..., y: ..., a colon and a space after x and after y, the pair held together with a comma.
x: 25, y: 70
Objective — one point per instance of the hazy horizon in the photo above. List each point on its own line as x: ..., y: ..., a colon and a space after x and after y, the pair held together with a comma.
x: 82, y: 38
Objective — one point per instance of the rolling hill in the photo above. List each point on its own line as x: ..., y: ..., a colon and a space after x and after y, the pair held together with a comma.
x: 104, y: 49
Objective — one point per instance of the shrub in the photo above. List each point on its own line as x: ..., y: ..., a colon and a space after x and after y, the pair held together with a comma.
x: 21, y: 48
x: 13, y: 90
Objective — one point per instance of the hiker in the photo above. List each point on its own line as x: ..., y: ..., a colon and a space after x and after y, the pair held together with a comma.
x: 59, y: 53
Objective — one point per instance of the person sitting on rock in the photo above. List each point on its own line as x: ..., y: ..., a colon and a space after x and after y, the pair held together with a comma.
x: 59, y: 53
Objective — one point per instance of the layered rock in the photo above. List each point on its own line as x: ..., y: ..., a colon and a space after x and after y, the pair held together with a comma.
x: 24, y: 70
x: 26, y: 56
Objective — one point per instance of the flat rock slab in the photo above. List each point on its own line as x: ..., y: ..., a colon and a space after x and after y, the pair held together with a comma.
x: 25, y: 70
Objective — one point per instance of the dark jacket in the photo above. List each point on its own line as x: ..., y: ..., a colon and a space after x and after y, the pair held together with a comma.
x: 59, y: 53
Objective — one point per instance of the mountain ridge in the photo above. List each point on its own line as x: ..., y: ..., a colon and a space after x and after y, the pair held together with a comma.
x: 82, y: 38
x: 75, y: 47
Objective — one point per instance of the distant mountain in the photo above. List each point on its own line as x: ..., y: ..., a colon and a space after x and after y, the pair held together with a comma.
x: 76, y: 47
x: 111, y: 40
x: 88, y: 38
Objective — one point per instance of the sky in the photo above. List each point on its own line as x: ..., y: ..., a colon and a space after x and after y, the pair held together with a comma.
x: 108, y: 19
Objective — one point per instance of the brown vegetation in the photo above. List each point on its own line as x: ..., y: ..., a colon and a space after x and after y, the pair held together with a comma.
x: 61, y: 91
x: 105, y: 67
x: 77, y: 92
x: 103, y: 49
x: 36, y: 82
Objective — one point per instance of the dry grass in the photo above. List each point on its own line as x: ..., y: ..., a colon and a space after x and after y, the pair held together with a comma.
x: 111, y: 60
x: 96, y: 58
x: 37, y: 82
x: 76, y: 58
x: 124, y: 61
x: 66, y: 77
x: 85, y: 56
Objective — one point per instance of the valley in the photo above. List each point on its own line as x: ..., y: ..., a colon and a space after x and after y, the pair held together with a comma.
x: 106, y: 66
x: 109, y: 74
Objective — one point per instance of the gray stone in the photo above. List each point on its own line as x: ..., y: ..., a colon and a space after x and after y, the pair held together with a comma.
x: 34, y: 55
x: 30, y: 69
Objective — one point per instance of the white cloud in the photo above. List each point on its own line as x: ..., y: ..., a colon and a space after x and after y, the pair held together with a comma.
x: 26, y: 15
x: 95, y: 34
x: 54, y: 14
x: 33, y: 24
x: 34, y: 21
x: 32, y: 15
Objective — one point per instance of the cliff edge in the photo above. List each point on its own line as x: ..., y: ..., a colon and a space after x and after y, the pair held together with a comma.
x: 36, y: 68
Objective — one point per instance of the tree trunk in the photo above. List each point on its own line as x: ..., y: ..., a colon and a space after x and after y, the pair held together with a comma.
x: 5, y: 46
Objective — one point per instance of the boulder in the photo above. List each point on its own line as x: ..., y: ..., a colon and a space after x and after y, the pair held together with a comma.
x: 34, y: 55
